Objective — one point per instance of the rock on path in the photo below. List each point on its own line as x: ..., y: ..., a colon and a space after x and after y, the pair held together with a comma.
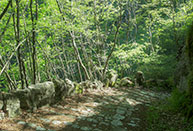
x: 109, y: 109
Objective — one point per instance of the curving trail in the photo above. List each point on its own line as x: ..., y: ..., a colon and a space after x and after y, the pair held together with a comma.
x: 109, y: 109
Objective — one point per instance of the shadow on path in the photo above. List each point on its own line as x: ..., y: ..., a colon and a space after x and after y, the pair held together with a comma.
x: 109, y: 109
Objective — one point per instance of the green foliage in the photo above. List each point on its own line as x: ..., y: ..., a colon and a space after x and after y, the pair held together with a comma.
x: 128, y: 56
x: 137, y: 57
x: 159, y: 119
x: 153, y: 119
x: 181, y: 102
x: 149, y: 35
x: 176, y: 100
x: 78, y: 88
x: 190, y: 84
x: 176, y: 109
x: 146, y: 38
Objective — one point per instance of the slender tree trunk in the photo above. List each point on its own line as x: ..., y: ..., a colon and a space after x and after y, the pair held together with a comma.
x: 5, y: 10
x: 61, y: 60
x: 10, y: 81
x: 86, y: 57
x: 78, y: 55
x: 19, y: 48
x: 81, y: 79
x: 28, y: 44
x: 4, y: 30
x: 24, y: 73
x: 150, y: 33
x: 14, y: 23
x: 47, y: 68
x: 128, y: 18
x: 174, y: 22
x: 65, y: 59
x: 53, y: 66
x: 135, y: 22
x: 33, y: 41
x: 115, y: 42
x: 68, y: 65
x: 6, y: 64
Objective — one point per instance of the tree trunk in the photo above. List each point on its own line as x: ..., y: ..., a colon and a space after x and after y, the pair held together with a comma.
x: 33, y: 41
x: 114, y: 44
x: 19, y: 48
x: 78, y: 55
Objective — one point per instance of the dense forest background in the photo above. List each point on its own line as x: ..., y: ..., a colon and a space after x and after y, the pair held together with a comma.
x: 41, y: 40
x: 84, y: 39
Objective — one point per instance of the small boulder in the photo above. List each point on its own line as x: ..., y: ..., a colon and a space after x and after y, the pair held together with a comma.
x: 11, y: 105
x: 1, y: 107
x: 1, y: 101
x: 42, y: 94
x: 139, y: 79
x: 96, y: 84
x: 78, y: 88
x: 1, y: 104
x: 2, y: 115
x: 60, y: 89
x: 24, y: 95
x: 126, y: 81
x: 70, y: 86
x: 85, y: 84
x: 112, y: 78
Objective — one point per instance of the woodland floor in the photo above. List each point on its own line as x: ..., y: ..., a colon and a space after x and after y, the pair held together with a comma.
x: 111, y: 109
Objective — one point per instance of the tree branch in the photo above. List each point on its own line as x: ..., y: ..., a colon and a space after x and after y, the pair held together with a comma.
x: 5, y: 10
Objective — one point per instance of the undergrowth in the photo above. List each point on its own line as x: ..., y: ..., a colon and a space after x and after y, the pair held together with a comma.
x: 170, y: 114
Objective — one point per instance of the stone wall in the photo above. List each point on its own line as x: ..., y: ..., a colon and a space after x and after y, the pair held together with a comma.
x: 41, y: 94
x: 33, y: 97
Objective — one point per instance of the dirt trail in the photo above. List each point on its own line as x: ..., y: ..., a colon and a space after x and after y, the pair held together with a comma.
x: 109, y: 109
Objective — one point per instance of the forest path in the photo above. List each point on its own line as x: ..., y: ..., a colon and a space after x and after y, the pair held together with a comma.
x: 109, y: 109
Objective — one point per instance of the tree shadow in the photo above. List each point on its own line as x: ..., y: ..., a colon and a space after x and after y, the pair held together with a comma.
x: 107, y: 118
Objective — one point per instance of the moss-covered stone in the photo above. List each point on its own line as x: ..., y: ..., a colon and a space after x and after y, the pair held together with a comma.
x: 60, y: 89
x: 78, y: 88
x: 24, y: 96
x: 139, y: 79
x: 112, y: 76
x: 70, y: 87
x: 11, y: 105
x: 1, y: 101
x: 96, y: 84
x: 126, y: 81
